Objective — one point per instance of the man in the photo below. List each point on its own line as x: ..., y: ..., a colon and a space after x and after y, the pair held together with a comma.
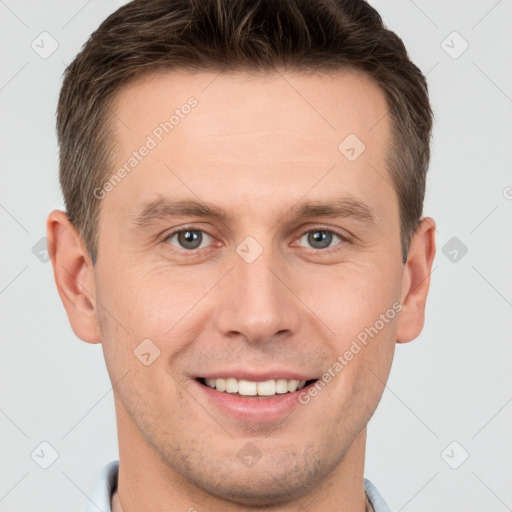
x: 244, y: 185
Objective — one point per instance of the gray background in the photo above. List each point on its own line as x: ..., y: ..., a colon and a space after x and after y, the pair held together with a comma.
x: 450, y: 385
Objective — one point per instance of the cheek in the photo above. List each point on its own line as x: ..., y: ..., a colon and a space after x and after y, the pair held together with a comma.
x: 361, y: 310
x: 165, y: 305
x: 144, y: 298
x: 170, y: 305
x: 350, y: 298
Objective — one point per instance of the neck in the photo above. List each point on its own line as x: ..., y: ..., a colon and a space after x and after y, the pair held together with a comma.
x: 147, y: 482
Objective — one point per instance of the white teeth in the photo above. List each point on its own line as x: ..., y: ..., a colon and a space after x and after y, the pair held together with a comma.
x: 292, y: 385
x: 220, y: 384
x: 231, y: 385
x: 246, y: 387
x: 281, y: 386
x: 267, y: 388
x: 251, y: 388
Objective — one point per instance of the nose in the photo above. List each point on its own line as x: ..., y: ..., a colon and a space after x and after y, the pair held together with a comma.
x: 256, y: 301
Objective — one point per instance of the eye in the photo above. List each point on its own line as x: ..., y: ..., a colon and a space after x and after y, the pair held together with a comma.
x: 321, y: 238
x: 189, y: 239
x: 195, y: 239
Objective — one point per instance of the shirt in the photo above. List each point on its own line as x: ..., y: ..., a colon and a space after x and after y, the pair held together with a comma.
x: 106, y: 484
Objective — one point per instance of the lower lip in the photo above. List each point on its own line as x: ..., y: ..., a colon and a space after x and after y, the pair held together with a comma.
x: 255, y: 409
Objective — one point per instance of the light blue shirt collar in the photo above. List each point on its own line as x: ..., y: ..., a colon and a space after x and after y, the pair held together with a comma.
x: 100, y: 500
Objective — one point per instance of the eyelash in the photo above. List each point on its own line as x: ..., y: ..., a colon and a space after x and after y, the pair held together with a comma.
x: 195, y: 252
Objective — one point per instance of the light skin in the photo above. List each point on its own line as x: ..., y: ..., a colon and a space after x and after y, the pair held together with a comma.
x: 257, y: 149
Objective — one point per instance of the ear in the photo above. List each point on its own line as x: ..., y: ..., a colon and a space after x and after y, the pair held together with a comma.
x: 74, y: 275
x: 416, y: 281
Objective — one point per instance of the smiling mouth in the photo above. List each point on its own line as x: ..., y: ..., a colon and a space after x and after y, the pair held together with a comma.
x: 247, y: 388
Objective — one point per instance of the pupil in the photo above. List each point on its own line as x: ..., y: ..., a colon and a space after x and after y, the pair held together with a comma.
x: 190, y: 239
x: 321, y: 238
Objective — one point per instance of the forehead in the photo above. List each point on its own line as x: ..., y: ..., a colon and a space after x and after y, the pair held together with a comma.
x: 273, y: 133
x: 238, y: 107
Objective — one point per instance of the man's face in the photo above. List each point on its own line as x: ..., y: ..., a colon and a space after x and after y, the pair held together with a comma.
x: 260, y: 295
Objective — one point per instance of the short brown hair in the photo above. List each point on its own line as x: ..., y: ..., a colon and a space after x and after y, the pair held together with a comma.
x: 310, y: 35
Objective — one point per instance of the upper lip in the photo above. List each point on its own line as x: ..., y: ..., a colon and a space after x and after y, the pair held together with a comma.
x: 257, y: 376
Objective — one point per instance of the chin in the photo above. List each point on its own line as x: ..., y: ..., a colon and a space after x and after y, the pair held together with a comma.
x: 276, y: 478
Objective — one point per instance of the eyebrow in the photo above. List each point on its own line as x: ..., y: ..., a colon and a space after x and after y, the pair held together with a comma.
x: 163, y: 208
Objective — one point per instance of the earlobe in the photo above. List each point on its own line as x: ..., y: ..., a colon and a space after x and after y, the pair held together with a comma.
x: 416, y: 281
x: 74, y: 275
